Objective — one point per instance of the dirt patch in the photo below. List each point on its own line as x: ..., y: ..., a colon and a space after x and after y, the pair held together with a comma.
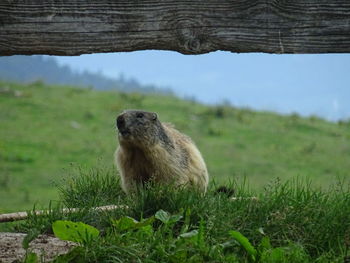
x: 46, y: 247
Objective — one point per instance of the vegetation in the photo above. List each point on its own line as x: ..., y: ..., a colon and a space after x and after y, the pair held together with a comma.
x: 26, y: 69
x: 57, y: 143
x: 46, y: 129
x: 287, y: 222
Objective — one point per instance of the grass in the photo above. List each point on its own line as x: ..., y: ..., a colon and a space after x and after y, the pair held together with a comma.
x: 301, y: 223
x: 44, y: 129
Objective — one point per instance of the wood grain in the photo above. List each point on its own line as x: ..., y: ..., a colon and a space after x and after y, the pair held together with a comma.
x: 24, y: 215
x: 74, y: 27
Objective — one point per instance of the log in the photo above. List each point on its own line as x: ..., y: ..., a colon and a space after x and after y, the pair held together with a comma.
x: 24, y: 215
x: 74, y: 27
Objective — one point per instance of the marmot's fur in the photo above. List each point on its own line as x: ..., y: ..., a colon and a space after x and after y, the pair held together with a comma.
x: 152, y: 150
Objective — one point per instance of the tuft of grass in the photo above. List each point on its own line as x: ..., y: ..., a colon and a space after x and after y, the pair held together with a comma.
x: 300, y: 221
x: 90, y: 187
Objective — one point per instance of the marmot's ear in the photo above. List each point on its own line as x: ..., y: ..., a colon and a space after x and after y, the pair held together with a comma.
x: 154, y: 116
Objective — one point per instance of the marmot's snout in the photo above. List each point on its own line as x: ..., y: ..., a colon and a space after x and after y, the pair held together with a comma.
x: 135, y: 122
x: 121, y: 124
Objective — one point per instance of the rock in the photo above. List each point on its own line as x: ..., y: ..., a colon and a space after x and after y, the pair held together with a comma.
x: 44, y: 246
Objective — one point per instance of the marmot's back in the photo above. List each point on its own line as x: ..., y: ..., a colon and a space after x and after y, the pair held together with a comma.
x: 151, y: 150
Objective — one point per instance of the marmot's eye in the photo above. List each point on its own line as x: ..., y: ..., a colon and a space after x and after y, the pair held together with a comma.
x: 139, y: 115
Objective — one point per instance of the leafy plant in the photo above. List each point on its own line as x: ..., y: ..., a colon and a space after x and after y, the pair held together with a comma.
x: 76, y: 232
x: 244, y: 242
x: 161, y: 224
x: 128, y: 223
x: 166, y: 218
x: 264, y: 252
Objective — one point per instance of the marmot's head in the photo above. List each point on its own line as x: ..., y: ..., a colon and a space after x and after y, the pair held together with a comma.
x: 139, y: 127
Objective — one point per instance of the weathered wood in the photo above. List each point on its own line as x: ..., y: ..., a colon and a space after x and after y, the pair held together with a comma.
x: 24, y: 215
x: 73, y: 27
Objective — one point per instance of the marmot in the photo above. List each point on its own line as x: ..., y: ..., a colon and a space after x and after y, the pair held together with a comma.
x: 152, y: 150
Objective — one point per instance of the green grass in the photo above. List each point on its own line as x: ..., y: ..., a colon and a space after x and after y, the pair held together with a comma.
x: 44, y: 129
x: 302, y: 224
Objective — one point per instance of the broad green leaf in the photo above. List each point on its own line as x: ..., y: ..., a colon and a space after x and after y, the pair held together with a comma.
x: 146, y: 222
x: 174, y: 218
x: 148, y: 230
x: 244, y: 242
x: 189, y: 234
x: 127, y: 223
x: 74, y: 231
x: 162, y: 216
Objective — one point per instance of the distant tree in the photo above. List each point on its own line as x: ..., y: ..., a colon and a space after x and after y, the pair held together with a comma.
x: 31, y: 68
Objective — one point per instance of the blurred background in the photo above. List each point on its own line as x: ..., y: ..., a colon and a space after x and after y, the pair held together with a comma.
x: 254, y: 116
x: 304, y: 84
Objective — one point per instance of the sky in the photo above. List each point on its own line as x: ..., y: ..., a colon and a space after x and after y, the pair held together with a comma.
x: 307, y: 84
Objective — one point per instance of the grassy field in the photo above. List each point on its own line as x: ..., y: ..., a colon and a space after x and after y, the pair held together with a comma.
x: 286, y: 222
x: 45, y: 130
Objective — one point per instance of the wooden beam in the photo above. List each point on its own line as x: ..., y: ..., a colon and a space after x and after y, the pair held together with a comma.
x: 74, y: 27
x: 24, y: 215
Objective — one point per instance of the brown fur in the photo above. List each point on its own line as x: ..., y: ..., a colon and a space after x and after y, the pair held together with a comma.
x: 152, y: 150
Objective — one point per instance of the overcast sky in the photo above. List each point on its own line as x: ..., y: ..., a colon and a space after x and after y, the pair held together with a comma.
x: 308, y: 84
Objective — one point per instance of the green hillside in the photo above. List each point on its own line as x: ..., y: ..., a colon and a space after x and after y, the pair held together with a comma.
x: 44, y: 129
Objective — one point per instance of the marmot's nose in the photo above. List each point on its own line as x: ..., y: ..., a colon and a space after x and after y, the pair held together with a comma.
x: 120, y: 121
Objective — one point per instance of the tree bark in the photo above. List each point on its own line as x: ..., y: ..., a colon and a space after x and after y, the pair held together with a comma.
x: 74, y: 27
